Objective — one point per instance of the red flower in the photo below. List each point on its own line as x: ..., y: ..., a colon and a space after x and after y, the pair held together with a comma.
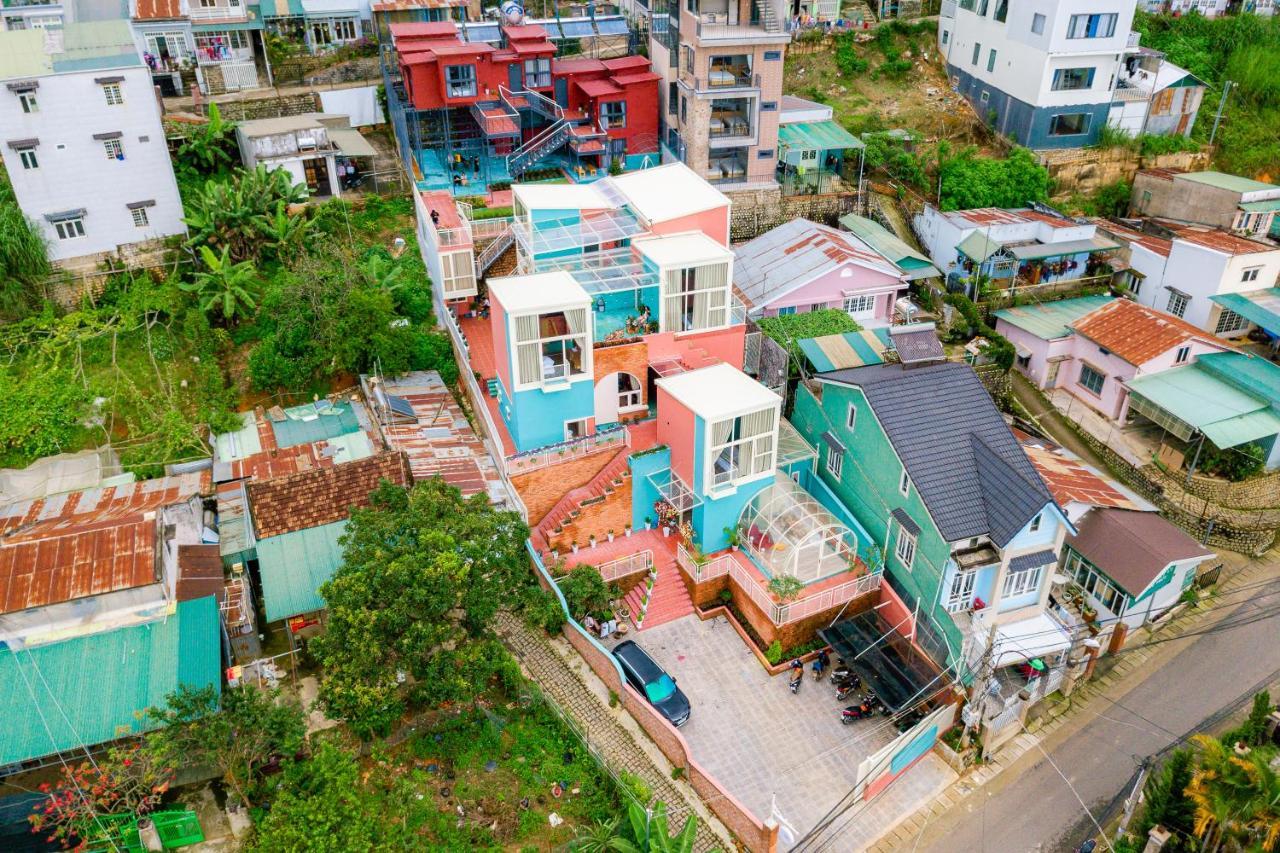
x: 128, y: 762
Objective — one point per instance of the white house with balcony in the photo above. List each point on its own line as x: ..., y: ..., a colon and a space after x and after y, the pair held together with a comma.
x: 84, y: 147
x: 319, y: 150
x: 1042, y: 72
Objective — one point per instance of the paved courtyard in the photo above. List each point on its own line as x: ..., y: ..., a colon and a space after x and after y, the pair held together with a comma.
x: 761, y: 742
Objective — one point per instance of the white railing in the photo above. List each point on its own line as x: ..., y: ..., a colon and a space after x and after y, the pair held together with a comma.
x: 489, y: 229
x: 523, y: 463
x: 217, y: 13
x: 706, y: 570
x: 1006, y: 716
x: 238, y: 75
x: 623, y: 566
x: 827, y: 599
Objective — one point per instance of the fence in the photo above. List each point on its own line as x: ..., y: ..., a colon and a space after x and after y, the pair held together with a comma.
x: 606, y: 439
x: 623, y: 566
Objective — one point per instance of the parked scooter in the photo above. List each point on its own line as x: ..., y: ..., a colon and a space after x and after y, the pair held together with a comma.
x: 820, y: 663
x: 845, y: 690
x: 868, y: 707
x: 797, y: 675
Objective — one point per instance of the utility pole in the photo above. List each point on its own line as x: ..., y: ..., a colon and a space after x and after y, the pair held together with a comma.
x: 1222, y: 103
x: 1131, y: 803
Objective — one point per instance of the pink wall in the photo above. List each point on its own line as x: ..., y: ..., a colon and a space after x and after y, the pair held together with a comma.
x: 1165, y: 360
x: 498, y: 330
x: 1112, y: 401
x: 726, y: 345
x: 829, y: 289
x: 714, y: 223
x: 675, y: 429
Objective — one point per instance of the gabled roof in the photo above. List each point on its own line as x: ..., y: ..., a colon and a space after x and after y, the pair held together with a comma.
x: 323, y: 496
x: 890, y: 246
x: 961, y: 457
x: 1135, y: 332
x: 1070, y: 481
x: 1051, y: 320
x: 1133, y: 547
x: 794, y: 254
x: 1216, y: 239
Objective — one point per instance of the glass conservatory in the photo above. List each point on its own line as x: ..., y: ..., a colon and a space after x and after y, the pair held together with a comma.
x: 786, y: 531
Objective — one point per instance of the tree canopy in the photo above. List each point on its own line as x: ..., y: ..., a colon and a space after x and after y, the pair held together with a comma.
x: 969, y: 180
x: 423, y: 573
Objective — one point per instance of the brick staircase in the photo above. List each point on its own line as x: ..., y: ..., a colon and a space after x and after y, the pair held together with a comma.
x: 606, y: 481
x: 667, y: 601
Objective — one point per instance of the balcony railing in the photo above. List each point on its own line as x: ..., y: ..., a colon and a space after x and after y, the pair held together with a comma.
x: 624, y: 566
x: 727, y: 80
x: 217, y: 13
x: 735, y: 128
x: 605, y: 439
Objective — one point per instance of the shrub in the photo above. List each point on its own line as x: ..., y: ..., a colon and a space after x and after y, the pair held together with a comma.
x: 585, y: 592
x: 998, y: 347
x: 788, y: 329
x: 542, y: 610
x: 1234, y: 463
x: 773, y: 654
x: 849, y: 63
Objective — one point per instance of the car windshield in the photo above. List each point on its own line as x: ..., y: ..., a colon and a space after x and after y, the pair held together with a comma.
x: 661, y: 689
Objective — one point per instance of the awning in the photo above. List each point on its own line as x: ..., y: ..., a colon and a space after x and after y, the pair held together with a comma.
x: 1035, y: 637
x: 281, y: 8
x: 226, y: 26
x: 832, y: 442
x: 349, y: 141
x: 1261, y: 307
x: 1035, y: 251
x: 1022, y: 562
x: 816, y: 136
x: 896, y: 670
x: 978, y: 246
x: 900, y: 515
x: 849, y: 349
x: 1196, y: 398
x: 1022, y: 350
x: 1260, y: 206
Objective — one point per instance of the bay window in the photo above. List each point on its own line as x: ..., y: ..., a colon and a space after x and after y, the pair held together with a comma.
x: 742, y: 447
x: 551, y: 347
x: 696, y: 298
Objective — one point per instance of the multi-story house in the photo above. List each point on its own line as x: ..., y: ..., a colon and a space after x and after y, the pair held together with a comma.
x: 968, y: 530
x: 1195, y: 272
x: 1155, y: 97
x: 222, y: 40
x: 1027, y: 247
x: 1042, y: 73
x: 85, y: 149
x: 1207, y: 8
x: 31, y: 15
x: 1231, y: 202
x: 721, y: 63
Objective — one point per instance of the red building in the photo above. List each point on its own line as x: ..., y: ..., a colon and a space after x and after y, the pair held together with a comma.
x: 483, y: 113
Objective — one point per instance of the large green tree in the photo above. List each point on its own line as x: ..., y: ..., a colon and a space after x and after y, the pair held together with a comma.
x: 970, y: 180
x: 423, y: 573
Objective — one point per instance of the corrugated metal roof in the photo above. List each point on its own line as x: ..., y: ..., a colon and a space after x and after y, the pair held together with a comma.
x: 1071, y: 482
x: 1245, y: 370
x: 314, y: 422
x: 294, y: 565
x: 793, y: 254
x: 1050, y: 320
x: 1260, y: 206
x: 1066, y: 247
x: 1222, y: 180
x: 978, y: 246
x: 816, y: 136
x: 961, y: 456
x: 890, y: 245
x: 849, y: 349
x: 89, y: 690
x: 1261, y: 307
x: 1227, y: 415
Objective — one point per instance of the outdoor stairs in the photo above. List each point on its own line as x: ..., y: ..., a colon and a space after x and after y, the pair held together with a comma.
x: 492, y: 386
x: 606, y: 481
x: 667, y: 601
x: 495, y: 250
x: 687, y: 357
x: 769, y: 16
x: 551, y: 138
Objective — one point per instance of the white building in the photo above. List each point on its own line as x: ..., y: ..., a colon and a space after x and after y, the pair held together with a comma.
x: 1042, y: 72
x: 1179, y: 269
x: 316, y: 149
x: 83, y: 144
x: 1155, y: 97
x: 1208, y: 8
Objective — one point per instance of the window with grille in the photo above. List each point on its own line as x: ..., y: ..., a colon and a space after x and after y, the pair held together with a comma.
x: 1229, y: 321
x: 460, y: 81
x: 115, y: 151
x: 1177, y: 303
x: 537, y: 73
x: 113, y: 93
x: 69, y: 229
x: 835, y: 460
x: 906, y: 547
x: 1091, y: 379
x: 140, y: 219
x: 613, y: 114
x: 1021, y: 582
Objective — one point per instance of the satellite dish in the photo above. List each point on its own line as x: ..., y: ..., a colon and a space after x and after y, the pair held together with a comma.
x: 512, y: 12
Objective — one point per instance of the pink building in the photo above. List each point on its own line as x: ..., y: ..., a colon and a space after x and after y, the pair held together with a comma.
x: 1092, y: 346
x: 803, y: 266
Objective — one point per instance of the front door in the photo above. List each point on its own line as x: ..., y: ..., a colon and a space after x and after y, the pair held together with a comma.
x: 1051, y: 375
x: 961, y: 593
x: 513, y: 77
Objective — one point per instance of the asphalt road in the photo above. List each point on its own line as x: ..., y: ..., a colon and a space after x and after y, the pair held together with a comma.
x: 1031, y: 807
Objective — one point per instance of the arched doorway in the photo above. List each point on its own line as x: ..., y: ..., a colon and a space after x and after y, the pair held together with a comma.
x: 617, y: 395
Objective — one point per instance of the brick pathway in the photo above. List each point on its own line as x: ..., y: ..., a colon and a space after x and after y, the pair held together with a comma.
x: 606, y: 730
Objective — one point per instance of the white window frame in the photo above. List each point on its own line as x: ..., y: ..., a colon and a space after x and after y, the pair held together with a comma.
x: 69, y: 229
x: 567, y: 375
x: 140, y: 217
x: 29, y: 102
x: 1021, y: 583
x: 114, y: 93
x: 1102, y: 379
x: 1183, y: 355
x: 904, y: 484
x: 755, y: 455
x: 466, y: 86
x: 1228, y: 321
x: 835, y: 461
x: 1034, y: 526
x: 1037, y: 23
x: 585, y: 430
x: 905, y: 548
x: 860, y: 304
x: 1251, y: 274
x: 114, y: 148
x: 685, y: 295
x: 1177, y: 304
x: 631, y: 398
x: 28, y: 158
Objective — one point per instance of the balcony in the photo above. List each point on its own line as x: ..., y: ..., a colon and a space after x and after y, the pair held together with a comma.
x: 229, y: 12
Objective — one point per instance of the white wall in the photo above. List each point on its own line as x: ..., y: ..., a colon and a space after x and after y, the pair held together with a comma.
x: 1201, y: 273
x: 74, y: 171
x: 360, y: 103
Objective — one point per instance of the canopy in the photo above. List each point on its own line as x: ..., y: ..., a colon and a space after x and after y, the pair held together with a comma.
x: 1261, y: 307
x: 1035, y: 637
x: 849, y: 349
x: 898, y: 672
x: 978, y: 246
x: 1197, y: 399
x: 788, y: 532
x: 816, y: 136
x: 349, y: 141
x: 1034, y: 251
x: 1260, y: 206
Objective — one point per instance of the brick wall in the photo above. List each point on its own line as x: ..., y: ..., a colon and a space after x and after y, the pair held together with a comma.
x: 542, y: 488
x: 624, y: 358
x: 611, y: 513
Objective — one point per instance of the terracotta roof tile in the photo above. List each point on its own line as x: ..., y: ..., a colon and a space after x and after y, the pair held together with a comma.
x: 1134, y: 332
x: 158, y: 10
x: 321, y: 496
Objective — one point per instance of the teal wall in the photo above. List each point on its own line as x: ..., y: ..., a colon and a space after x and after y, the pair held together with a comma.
x: 537, y: 416
x: 869, y: 489
x: 643, y: 494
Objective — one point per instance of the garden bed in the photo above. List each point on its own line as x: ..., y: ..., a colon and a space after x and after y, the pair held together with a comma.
x: 805, y: 651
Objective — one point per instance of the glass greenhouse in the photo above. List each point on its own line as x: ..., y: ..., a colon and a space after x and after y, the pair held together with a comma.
x: 788, y: 532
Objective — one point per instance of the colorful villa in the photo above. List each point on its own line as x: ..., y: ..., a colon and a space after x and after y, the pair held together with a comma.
x: 470, y: 113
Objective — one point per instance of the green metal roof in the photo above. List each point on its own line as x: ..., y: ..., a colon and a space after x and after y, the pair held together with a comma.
x: 240, y: 443
x: 978, y: 246
x: 816, y: 136
x: 281, y: 8
x: 1227, y: 415
x: 1260, y: 206
x: 1050, y: 320
x: 293, y: 566
x: 850, y: 349
x: 889, y: 245
x: 89, y: 690
x: 1247, y: 371
x: 1222, y: 180
x: 1261, y: 307
x: 315, y: 422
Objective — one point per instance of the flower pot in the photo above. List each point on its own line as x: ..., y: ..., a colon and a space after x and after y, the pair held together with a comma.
x: 575, y: 547
x: 666, y: 531
x: 628, y: 532
x: 733, y: 547
x: 592, y: 542
x: 610, y: 537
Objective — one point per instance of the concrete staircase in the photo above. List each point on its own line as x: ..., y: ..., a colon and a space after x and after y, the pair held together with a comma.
x: 667, y: 601
x: 687, y: 357
x: 606, y: 481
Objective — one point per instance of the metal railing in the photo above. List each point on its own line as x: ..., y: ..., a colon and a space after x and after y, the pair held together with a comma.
x: 738, y: 129
x: 489, y: 229
x: 740, y: 81
x: 623, y: 566
x: 523, y: 463
x: 536, y: 101
x: 826, y: 599
x: 224, y: 13
x: 494, y: 250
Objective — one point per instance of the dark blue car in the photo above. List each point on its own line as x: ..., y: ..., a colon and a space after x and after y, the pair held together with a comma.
x: 652, y: 680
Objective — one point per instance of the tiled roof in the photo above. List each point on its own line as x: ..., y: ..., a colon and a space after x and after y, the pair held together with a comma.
x: 158, y: 10
x: 961, y: 457
x: 1071, y: 482
x: 1135, y: 332
x: 1050, y: 320
x: 1133, y: 547
x: 323, y: 496
x: 85, y: 543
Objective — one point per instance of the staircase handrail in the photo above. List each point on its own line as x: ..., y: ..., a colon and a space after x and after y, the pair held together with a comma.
x: 530, y: 150
x: 537, y: 100
x: 494, y: 250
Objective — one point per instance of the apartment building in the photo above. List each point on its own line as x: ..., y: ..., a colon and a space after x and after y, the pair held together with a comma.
x: 1238, y: 204
x: 721, y: 63
x: 84, y: 146
x: 1042, y: 73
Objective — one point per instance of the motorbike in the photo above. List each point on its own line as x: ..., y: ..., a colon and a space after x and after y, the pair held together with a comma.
x: 819, y: 665
x: 797, y: 675
x: 843, y: 691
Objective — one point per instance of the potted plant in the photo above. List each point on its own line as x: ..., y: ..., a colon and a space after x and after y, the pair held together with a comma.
x: 610, y: 534
x: 555, y: 554
x: 574, y: 546
x: 731, y: 533
x: 627, y: 531
x: 591, y: 540
x: 648, y: 523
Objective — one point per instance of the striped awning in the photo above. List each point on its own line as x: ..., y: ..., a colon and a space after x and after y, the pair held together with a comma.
x: 849, y: 349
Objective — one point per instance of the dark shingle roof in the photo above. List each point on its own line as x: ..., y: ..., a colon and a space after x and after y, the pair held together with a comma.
x: 1131, y: 546
x: 969, y: 469
x: 1022, y: 562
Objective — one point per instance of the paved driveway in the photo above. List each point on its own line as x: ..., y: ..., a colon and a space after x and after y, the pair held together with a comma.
x: 761, y: 742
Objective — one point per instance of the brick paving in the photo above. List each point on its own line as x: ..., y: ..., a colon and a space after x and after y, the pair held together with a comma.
x: 604, y: 729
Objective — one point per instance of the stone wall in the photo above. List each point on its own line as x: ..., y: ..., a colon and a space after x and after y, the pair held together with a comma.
x: 1086, y: 170
x: 756, y: 211
x: 1256, y: 493
x: 269, y: 107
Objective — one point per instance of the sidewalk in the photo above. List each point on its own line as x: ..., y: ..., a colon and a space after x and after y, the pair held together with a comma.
x: 611, y: 733
x: 1073, y: 713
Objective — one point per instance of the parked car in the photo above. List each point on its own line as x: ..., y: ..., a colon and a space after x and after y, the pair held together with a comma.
x: 652, y: 680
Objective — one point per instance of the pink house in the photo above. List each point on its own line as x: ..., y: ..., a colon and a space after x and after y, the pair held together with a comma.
x: 1092, y: 346
x: 803, y: 266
